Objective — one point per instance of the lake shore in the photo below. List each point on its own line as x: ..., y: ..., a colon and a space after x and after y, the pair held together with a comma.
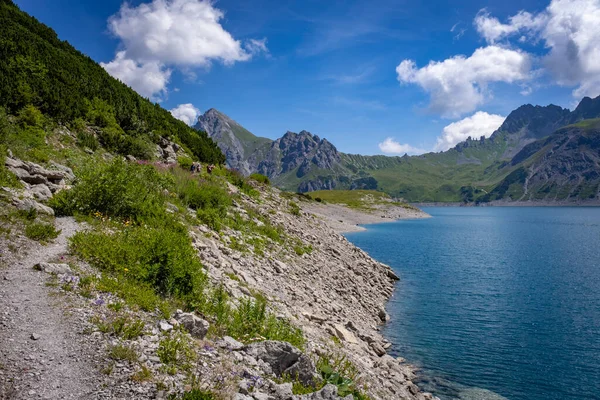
x: 344, y: 219
x: 504, y: 203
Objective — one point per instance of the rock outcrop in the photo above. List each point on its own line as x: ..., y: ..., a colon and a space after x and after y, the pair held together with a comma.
x: 39, y: 183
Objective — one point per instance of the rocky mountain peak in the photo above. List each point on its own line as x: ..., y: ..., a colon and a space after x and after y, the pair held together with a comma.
x: 234, y: 140
x: 535, y: 121
x: 587, y: 108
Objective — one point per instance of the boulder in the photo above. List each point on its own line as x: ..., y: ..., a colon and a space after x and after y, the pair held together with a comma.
x: 15, y: 163
x: 344, y: 334
x: 284, y: 359
x: 329, y: 392
x: 68, y: 172
x: 382, y: 314
x: 227, y: 342
x: 41, y: 192
x: 51, y: 268
x: 34, y: 179
x: 378, y: 349
x: 28, y: 204
x: 196, y: 326
x: 20, y: 173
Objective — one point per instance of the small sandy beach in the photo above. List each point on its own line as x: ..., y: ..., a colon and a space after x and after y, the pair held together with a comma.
x: 345, y: 219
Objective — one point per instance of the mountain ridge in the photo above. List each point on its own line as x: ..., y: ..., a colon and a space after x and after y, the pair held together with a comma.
x: 304, y: 162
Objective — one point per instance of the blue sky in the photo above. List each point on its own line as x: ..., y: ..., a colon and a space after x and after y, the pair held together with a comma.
x: 357, y: 73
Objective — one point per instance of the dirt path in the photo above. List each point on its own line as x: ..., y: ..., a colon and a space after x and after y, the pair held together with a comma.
x: 57, y: 364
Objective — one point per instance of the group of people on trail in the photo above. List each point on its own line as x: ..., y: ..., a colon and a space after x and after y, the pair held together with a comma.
x: 197, y: 167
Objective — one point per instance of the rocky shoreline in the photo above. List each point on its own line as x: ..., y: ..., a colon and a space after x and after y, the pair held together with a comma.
x: 335, y: 292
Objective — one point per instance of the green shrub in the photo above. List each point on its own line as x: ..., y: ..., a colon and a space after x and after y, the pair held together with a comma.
x: 318, y: 199
x: 163, y: 258
x: 213, y: 218
x: 87, y: 139
x: 197, y: 394
x: 237, y: 179
x: 301, y: 249
x: 31, y: 116
x: 260, y: 178
x: 7, y: 178
x: 340, y: 371
x: 185, y: 162
x: 134, y: 293
x: 294, y: 208
x: 122, y: 352
x: 204, y: 196
x: 176, y: 349
x: 251, y: 321
x: 124, y: 190
x: 41, y: 232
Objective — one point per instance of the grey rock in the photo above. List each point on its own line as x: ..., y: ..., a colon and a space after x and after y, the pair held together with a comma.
x: 15, y: 163
x: 378, y: 349
x: 40, y: 192
x: 392, y: 275
x: 68, y: 172
x: 34, y: 179
x: 283, y: 391
x: 329, y: 392
x: 20, y: 173
x: 165, y: 326
x: 227, y: 342
x: 35, y: 336
x: 49, y: 268
x: 382, y: 314
x: 197, y: 327
x: 283, y: 358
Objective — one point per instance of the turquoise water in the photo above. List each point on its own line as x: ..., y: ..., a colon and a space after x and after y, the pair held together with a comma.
x: 496, y: 302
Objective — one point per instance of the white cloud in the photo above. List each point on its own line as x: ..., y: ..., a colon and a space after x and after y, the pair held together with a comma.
x: 475, y: 126
x: 182, y: 33
x: 149, y: 79
x: 458, y: 85
x: 255, y: 46
x: 493, y: 30
x: 391, y: 146
x: 569, y: 29
x: 186, y: 113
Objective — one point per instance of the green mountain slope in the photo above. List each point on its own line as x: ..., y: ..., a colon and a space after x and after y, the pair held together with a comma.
x: 303, y: 162
x: 37, y: 68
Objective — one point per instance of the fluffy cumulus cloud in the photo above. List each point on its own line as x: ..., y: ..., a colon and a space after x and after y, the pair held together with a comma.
x: 182, y: 33
x: 186, y: 113
x: 148, y: 79
x: 391, y: 146
x: 459, y: 84
x: 475, y: 126
x: 569, y: 29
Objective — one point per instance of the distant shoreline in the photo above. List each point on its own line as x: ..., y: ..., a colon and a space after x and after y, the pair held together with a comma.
x: 503, y: 203
x: 344, y: 219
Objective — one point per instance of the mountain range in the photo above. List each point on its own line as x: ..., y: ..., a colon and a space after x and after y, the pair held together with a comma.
x: 539, y: 153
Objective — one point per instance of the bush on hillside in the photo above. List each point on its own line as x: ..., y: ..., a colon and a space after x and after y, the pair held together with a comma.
x: 160, y: 257
x: 118, y: 189
x: 260, y: 178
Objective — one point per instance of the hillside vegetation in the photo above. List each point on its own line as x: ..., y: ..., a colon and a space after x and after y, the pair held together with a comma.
x: 37, y: 69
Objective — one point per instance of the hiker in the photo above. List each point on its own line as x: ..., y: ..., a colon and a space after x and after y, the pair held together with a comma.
x: 209, y: 168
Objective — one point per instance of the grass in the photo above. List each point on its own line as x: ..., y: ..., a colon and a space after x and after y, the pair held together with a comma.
x: 357, y: 199
x: 121, y: 326
x: 121, y: 352
x: 146, y: 255
x: 333, y: 369
x: 42, y: 232
x: 176, y: 352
